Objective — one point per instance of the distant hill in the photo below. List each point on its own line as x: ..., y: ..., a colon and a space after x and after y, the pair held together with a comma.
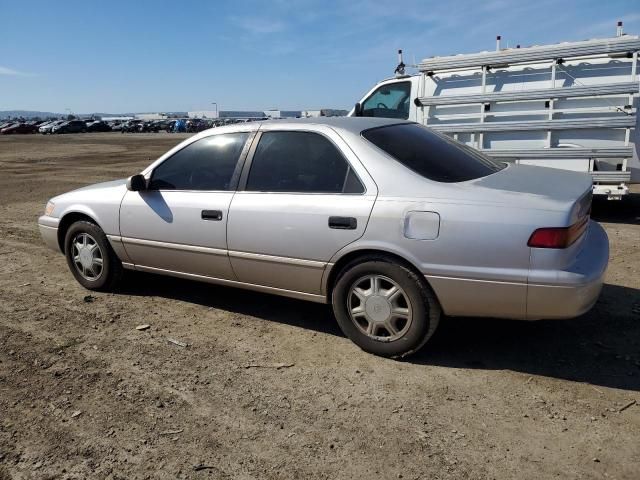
x: 27, y: 114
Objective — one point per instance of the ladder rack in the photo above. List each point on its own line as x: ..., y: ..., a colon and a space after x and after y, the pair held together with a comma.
x: 589, y: 94
x: 607, y: 46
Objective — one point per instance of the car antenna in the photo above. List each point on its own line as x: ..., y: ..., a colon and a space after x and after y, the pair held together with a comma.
x: 401, y: 66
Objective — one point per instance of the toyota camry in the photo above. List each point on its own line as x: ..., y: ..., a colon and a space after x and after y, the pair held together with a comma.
x: 391, y: 223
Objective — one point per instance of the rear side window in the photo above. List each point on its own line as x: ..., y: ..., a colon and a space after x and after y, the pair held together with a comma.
x: 300, y: 162
x: 431, y: 154
x: 389, y: 101
x: 207, y: 164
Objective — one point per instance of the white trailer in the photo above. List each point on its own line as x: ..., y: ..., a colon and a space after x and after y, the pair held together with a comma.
x: 569, y: 105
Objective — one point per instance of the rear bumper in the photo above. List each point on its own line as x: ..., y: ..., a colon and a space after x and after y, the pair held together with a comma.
x: 575, y: 289
x: 49, y: 231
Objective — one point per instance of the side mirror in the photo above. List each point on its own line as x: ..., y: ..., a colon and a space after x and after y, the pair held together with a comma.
x: 136, y: 183
x: 357, y: 110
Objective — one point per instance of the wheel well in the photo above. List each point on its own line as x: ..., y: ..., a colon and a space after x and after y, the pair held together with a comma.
x: 68, y: 220
x: 365, y: 254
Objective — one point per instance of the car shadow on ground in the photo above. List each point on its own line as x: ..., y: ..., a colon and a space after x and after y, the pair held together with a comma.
x: 626, y: 210
x: 600, y: 348
x: 298, y: 313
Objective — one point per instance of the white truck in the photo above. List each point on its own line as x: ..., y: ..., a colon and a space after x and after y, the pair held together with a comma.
x: 568, y: 105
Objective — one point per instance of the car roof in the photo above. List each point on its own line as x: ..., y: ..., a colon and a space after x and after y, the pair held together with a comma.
x: 351, y: 124
x: 354, y: 125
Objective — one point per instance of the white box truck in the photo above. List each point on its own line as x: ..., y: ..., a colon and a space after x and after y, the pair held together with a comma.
x: 569, y: 105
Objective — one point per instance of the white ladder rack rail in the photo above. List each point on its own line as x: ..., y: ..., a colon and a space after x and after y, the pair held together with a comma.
x: 609, y: 46
x: 566, y: 152
x: 626, y: 121
x: 616, y: 176
x: 540, y: 94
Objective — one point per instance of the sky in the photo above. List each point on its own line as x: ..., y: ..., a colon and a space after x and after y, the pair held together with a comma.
x: 156, y: 56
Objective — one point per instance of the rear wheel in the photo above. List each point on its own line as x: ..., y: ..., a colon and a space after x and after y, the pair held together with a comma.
x: 90, y: 257
x: 385, y: 308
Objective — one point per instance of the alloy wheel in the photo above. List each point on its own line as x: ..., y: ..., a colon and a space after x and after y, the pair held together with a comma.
x: 379, y: 308
x: 87, y: 256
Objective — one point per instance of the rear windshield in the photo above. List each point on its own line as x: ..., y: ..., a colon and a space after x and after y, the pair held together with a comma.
x: 433, y: 155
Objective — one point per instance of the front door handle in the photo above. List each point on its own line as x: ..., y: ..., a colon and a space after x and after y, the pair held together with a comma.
x: 212, y: 215
x: 343, y: 223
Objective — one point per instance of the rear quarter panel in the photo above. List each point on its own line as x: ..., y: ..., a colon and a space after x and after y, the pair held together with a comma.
x: 479, y: 263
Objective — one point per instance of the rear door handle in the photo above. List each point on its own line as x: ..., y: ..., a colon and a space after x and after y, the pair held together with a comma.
x: 343, y: 223
x: 212, y: 215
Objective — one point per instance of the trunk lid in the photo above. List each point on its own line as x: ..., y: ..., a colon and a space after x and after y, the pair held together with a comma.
x: 541, y: 188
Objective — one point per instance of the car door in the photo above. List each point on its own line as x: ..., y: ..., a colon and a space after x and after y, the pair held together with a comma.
x: 303, y: 196
x: 178, y: 224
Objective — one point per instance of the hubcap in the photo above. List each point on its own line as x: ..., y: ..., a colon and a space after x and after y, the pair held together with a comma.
x: 87, y: 256
x: 379, y: 307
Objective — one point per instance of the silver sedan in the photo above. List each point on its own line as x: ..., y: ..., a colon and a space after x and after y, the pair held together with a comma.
x: 390, y: 222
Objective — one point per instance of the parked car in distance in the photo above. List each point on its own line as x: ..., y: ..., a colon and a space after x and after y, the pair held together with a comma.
x: 20, y: 127
x: 46, y: 128
x: 116, y: 126
x: 7, y: 125
x: 45, y: 124
x: 386, y: 220
x: 72, y: 126
x: 131, y: 126
x: 160, y: 125
x: 149, y: 126
x: 98, y: 126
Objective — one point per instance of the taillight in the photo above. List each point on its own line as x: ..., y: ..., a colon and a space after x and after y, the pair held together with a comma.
x: 558, y: 237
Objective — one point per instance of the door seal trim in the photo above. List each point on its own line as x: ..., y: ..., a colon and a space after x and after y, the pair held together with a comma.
x: 300, y: 262
x: 168, y: 245
x: 276, y: 259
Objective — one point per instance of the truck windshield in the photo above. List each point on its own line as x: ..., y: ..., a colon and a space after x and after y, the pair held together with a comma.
x: 430, y: 154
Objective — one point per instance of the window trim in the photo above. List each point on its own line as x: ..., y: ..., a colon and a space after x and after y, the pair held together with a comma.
x: 235, y: 177
x: 407, y: 82
x: 244, y: 176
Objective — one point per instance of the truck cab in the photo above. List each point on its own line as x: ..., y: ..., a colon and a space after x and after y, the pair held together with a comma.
x: 392, y: 98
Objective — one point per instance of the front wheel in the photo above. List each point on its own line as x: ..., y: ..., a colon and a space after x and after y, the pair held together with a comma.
x: 90, y: 257
x: 385, y: 308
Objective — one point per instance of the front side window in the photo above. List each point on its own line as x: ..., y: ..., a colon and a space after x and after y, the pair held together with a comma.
x: 207, y: 164
x: 389, y: 101
x: 431, y: 154
x: 300, y: 162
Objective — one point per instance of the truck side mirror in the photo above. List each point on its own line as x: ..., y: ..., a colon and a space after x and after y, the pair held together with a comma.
x: 136, y: 183
x: 357, y: 110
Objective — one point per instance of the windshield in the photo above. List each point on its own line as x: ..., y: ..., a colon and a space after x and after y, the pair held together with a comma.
x: 431, y: 154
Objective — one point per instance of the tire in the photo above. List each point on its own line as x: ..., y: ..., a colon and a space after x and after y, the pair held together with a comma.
x: 389, y: 335
x: 107, y: 277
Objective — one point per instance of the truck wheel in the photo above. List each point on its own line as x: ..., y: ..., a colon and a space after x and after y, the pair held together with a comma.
x: 385, y: 308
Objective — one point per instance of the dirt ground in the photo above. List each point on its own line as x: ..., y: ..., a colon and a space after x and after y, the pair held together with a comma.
x: 83, y: 394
